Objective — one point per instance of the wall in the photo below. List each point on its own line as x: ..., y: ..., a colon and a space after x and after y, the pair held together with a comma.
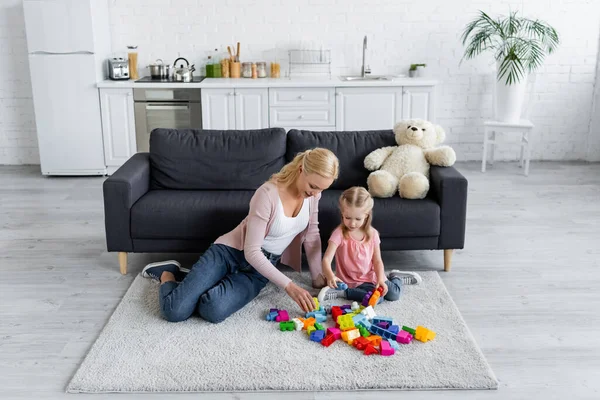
x: 400, y: 32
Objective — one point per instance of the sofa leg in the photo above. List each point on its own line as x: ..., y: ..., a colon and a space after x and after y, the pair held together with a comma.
x: 448, y: 259
x: 123, y: 262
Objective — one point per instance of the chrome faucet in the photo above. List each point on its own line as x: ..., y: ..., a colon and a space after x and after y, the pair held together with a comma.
x: 364, y: 70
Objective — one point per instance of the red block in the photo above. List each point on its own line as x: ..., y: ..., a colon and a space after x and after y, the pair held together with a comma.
x: 361, y: 343
x: 371, y: 350
x: 328, y: 340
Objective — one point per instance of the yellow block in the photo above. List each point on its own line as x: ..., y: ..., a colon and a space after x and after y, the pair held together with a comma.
x: 423, y: 334
x: 374, y: 339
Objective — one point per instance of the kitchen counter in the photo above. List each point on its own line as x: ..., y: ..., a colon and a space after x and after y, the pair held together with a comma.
x: 215, y: 83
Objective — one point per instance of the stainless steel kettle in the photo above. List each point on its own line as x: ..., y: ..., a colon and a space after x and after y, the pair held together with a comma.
x: 181, y: 73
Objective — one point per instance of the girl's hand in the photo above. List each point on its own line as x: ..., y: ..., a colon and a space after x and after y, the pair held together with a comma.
x: 301, y: 296
x: 384, y: 286
x: 332, y: 280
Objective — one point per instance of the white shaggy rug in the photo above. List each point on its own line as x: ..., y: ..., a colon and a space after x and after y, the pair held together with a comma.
x: 138, y: 351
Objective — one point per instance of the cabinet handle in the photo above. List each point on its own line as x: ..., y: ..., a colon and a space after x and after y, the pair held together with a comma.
x: 301, y: 117
x: 231, y: 94
x: 338, y: 94
x: 301, y: 96
x: 405, y: 92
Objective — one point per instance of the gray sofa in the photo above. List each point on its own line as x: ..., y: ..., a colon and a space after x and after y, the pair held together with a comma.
x: 195, y: 185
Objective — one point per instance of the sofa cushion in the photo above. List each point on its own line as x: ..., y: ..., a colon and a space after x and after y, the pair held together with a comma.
x: 351, y: 148
x: 188, y: 214
x: 392, y: 217
x: 210, y: 159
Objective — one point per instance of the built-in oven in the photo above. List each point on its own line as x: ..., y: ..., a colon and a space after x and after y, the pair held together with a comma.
x: 165, y: 108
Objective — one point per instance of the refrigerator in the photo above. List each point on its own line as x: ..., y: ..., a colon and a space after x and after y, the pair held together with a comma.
x: 68, y: 42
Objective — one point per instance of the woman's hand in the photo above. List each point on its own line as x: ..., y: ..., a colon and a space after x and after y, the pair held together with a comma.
x: 332, y: 280
x: 384, y: 286
x: 301, y: 296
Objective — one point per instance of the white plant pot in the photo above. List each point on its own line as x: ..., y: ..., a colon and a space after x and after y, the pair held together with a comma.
x: 509, y: 100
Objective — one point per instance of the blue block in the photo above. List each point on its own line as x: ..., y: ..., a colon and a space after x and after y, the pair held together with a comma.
x: 379, y: 319
x: 358, y: 318
x: 382, y: 332
x: 346, y: 307
x: 394, y: 344
x: 342, y: 286
x: 321, y: 317
x: 394, y: 329
x: 272, y: 315
x: 315, y: 313
x: 317, y: 336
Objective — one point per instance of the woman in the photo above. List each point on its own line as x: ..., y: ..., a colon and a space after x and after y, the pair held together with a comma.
x: 238, y: 265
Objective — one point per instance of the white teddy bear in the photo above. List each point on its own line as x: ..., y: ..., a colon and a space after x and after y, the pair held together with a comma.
x: 405, y: 168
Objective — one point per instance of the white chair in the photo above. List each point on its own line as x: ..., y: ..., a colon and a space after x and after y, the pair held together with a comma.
x: 524, y: 127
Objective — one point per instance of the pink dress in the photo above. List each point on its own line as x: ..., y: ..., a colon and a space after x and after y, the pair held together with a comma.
x: 354, y: 258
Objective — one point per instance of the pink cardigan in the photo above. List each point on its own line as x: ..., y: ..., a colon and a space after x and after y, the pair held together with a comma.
x: 249, y: 236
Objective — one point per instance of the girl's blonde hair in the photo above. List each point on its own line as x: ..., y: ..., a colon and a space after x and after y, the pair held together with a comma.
x: 318, y: 161
x: 358, y: 197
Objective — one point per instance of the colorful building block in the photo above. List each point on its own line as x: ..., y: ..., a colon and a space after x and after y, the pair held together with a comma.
x: 382, y: 332
x: 272, y: 315
x: 321, y: 317
x: 394, y: 329
x: 423, y: 334
x: 349, y: 336
x: 374, y: 299
x: 365, y: 300
x: 336, y: 312
x: 317, y: 336
x: 370, y: 349
x: 409, y: 330
x: 364, y: 332
x: 316, y: 301
x: 369, y: 312
x: 354, y: 306
x: 345, y: 322
x: 381, y: 318
x: 383, y: 325
x: 336, y: 332
x: 374, y: 339
x: 298, y: 324
x: 360, y: 343
x: 309, y: 322
x: 341, y: 286
x: 310, y: 330
x: 287, y: 326
x: 328, y: 340
x: 385, y: 348
x: 394, y: 344
x: 282, y: 316
x: 319, y: 327
x: 404, y: 337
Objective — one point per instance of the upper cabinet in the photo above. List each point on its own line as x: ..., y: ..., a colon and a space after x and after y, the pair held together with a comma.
x: 367, y: 108
x: 225, y: 109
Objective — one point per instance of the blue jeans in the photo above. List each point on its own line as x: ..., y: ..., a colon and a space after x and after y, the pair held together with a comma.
x: 393, y: 294
x: 220, y: 283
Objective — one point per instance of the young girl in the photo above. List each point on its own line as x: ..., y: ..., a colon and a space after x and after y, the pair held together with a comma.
x: 355, y: 245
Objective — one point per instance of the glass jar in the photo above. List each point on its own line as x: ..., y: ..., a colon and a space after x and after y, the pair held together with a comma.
x: 132, y: 57
x: 275, y: 70
x: 247, y: 70
x: 261, y: 69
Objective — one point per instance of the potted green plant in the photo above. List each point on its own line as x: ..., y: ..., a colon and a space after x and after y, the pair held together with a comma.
x: 416, y: 70
x: 519, y: 46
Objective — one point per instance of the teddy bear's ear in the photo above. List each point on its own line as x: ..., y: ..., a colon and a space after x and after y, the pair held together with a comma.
x: 402, y: 126
x: 441, y: 134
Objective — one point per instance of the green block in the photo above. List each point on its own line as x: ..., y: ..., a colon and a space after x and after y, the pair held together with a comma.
x: 409, y: 330
x: 363, y: 331
x: 319, y: 327
x: 287, y: 326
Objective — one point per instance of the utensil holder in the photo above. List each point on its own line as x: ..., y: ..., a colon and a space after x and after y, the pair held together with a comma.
x: 234, y: 69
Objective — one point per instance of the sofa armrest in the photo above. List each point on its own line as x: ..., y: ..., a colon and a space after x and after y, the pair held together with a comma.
x: 121, y: 190
x: 450, y: 188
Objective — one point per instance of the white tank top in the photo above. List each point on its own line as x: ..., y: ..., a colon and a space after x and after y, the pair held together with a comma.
x: 284, y: 229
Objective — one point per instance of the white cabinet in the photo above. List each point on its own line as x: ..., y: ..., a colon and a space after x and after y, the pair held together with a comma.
x: 367, y: 108
x: 226, y: 109
x: 417, y: 102
x: 302, y: 108
x: 118, y: 126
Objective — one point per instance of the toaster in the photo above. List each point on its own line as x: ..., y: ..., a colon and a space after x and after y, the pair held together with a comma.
x: 118, y: 68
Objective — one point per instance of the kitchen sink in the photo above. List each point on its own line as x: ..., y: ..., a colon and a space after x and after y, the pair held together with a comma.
x: 366, y: 78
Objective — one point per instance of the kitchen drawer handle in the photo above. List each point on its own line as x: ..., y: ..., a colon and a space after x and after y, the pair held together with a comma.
x: 301, y: 117
x: 405, y: 92
x: 165, y: 107
x: 231, y: 93
x: 301, y: 96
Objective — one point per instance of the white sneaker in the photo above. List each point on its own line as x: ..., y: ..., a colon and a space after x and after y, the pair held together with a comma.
x: 407, y: 277
x: 328, y: 293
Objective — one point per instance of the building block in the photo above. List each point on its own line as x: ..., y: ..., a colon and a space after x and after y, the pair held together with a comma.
x: 374, y: 339
x: 423, y: 334
x: 287, y: 326
x: 346, y: 307
x: 342, y: 286
x: 273, y: 310
x: 409, y: 330
x: 349, y: 336
x: 272, y: 315
x: 365, y: 300
x: 374, y: 299
x: 319, y: 327
x: 394, y: 329
x: 310, y: 330
x: 327, y: 309
x: 358, y: 319
x: 317, y: 336
x: 345, y: 322
x: 385, y: 348
x: 316, y: 301
x: 364, y: 332
x: 309, y: 322
x: 354, y: 306
x: 382, y: 332
x: 380, y: 290
x: 298, y: 324
x: 370, y: 349
x: 328, y: 340
x: 383, y: 325
x: 335, y: 332
x: 404, y: 337
x: 336, y: 312
x: 321, y: 317
x: 394, y: 344
x: 282, y: 316
x: 380, y: 318
x: 360, y: 343
x: 369, y: 312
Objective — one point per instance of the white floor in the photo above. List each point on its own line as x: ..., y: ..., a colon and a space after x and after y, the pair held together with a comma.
x: 526, y: 282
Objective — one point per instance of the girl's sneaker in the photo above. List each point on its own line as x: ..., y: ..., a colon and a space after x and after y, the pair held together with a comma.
x: 155, y: 270
x: 328, y: 293
x: 407, y: 277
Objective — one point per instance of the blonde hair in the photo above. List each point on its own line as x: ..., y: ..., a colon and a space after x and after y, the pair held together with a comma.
x: 358, y: 197
x: 318, y: 161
